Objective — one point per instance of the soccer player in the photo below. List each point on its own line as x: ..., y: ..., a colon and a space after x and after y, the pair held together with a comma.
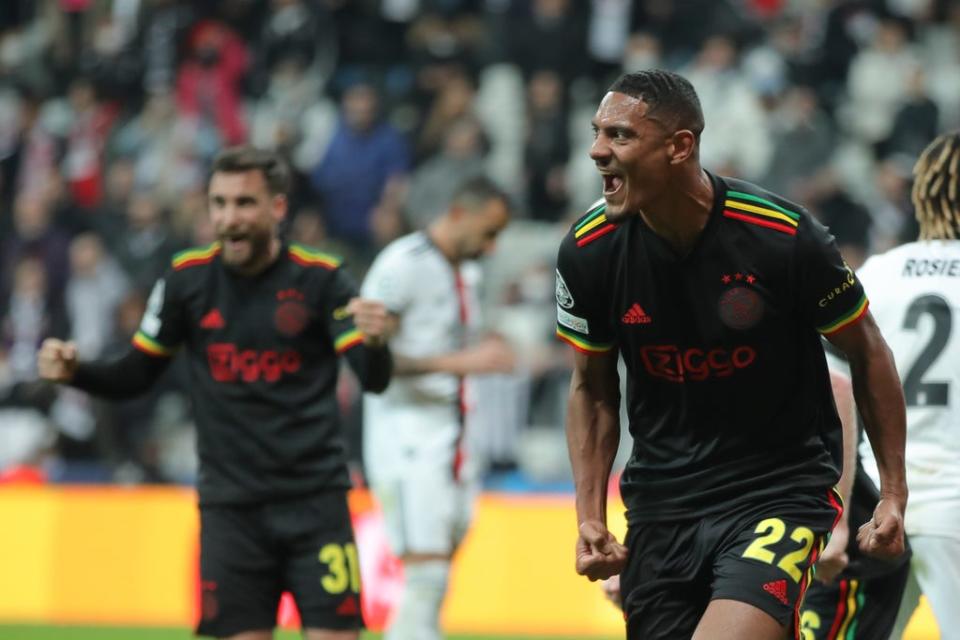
x: 715, y: 292
x: 261, y: 323
x: 915, y: 296
x: 854, y: 595
x: 413, y: 433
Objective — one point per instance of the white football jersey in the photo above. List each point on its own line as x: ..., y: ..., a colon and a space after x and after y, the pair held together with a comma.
x: 914, y: 293
x: 438, y: 306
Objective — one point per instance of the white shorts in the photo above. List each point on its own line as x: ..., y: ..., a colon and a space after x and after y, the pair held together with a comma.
x: 424, y: 509
x: 934, y: 571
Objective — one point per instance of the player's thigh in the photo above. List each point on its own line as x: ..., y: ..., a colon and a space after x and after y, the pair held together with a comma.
x: 936, y: 563
x: 767, y: 552
x: 867, y: 605
x: 424, y: 510
x: 665, y: 585
x: 735, y: 620
x: 240, y: 573
x: 322, y: 568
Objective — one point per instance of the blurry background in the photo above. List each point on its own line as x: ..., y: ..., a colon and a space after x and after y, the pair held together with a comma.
x: 111, y: 111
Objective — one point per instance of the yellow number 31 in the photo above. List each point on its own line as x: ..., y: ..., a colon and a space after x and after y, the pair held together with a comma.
x: 342, y: 566
x: 773, y: 530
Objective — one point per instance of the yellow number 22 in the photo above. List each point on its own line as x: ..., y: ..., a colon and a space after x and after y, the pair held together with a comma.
x: 773, y: 530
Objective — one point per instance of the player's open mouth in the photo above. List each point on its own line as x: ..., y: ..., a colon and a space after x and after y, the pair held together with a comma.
x: 611, y: 184
x: 233, y: 242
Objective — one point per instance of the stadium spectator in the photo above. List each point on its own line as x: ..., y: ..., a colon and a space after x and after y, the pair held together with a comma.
x: 741, y: 147
x: 208, y: 81
x: 414, y: 444
x: 434, y: 182
x: 263, y: 323
x: 358, y: 178
x: 35, y: 234
x: 671, y: 269
x: 547, y: 147
x: 879, y: 80
x: 29, y: 315
x: 95, y: 290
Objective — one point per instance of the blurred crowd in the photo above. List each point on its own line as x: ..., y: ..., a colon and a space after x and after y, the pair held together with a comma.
x: 111, y: 111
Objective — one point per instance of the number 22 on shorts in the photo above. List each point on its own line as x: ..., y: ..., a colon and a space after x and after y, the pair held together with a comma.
x: 343, y: 568
x: 773, y: 530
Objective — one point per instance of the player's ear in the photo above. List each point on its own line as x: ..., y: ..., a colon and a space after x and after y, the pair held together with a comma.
x: 683, y: 146
x: 278, y: 207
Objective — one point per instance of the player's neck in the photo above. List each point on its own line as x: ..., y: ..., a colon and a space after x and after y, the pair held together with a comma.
x: 440, y: 234
x: 681, y: 215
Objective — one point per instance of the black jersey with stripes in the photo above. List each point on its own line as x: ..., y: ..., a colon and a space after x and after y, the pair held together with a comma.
x: 728, y: 393
x: 262, y: 354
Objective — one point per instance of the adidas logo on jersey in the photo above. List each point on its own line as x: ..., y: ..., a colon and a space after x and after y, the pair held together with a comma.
x: 349, y: 607
x: 213, y: 320
x: 636, y: 315
x: 778, y: 589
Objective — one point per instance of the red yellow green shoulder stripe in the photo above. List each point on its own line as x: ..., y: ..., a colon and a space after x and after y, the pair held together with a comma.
x: 755, y: 210
x: 149, y: 346
x: 347, y: 339
x: 312, y: 258
x: 195, y: 256
x: 593, y: 225
x: 580, y: 343
x: 859, y: 310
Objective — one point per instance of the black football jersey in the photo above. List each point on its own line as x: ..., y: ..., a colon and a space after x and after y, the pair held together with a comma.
x: 262, y: 354
x: 728, y: 393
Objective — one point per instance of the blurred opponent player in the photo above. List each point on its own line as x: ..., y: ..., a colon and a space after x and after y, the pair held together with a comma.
x: 413, y: 433
x: 715, y: 292
x: 262, y: 324
x: 915, y: 297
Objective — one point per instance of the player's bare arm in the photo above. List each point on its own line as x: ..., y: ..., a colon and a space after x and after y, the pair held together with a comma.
x: 593, y: 434
x: 879, y: 397
x: 834, y: 558
x: 492, y: 354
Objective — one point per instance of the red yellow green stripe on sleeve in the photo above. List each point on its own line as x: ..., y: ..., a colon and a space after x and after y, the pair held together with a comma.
x: 192, y: 257
x: 150, y: 346
x: 311, y: 258
x: 858, y: 311
x: 348, y: 339
x: 581, y: 345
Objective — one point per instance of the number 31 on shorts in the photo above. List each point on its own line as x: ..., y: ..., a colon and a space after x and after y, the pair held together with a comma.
x: 343, y: 568
x: 773, y: 530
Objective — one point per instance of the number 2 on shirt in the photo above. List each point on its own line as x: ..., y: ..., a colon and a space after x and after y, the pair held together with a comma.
x: 773, y: 530
x: 342, y: 566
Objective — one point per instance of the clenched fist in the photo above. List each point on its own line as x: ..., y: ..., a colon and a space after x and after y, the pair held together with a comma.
x: 373, y: 320
x: 57, y: 360
x: 599, y: 555
x: 882, y: 535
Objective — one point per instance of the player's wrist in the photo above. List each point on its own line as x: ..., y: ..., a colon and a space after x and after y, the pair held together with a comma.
x: 894, y: 492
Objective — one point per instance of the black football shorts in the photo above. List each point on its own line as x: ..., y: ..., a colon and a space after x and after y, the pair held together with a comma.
x: 758, y: 552
x: 251, y: 554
